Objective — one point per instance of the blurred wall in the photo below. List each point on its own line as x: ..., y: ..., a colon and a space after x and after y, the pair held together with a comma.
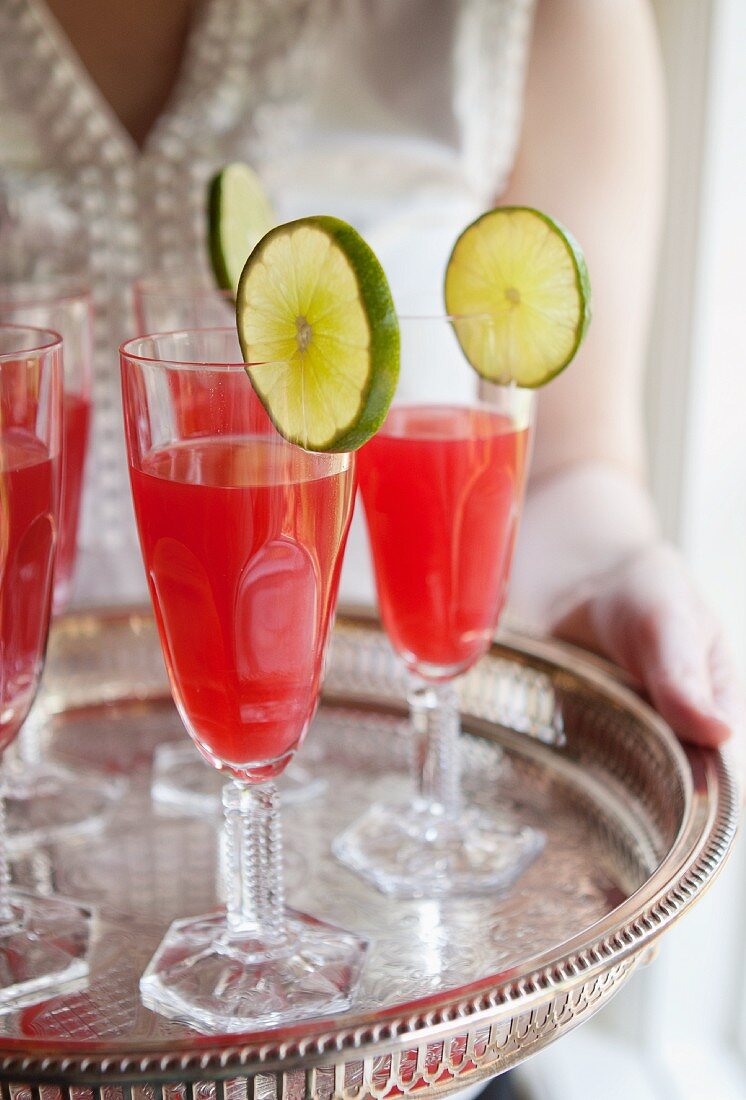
x: 678, y: 1030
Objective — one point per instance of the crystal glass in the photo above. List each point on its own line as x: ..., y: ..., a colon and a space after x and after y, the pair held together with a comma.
x: 181, y: 781
x: 442, y: 485
x: 242, y: 537
x: 47, y: 800
x: 169, y: 303
x: 65, y: 306
x: 43, y: 940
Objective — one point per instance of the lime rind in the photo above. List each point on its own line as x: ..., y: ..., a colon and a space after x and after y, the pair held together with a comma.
x: 239, y: 214
x: 319, y: 333
x: 529, y: 338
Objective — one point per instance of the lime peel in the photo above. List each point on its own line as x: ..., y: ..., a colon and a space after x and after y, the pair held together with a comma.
x: 319, y: 333
x: 526, y: 275
x: 239, y: 214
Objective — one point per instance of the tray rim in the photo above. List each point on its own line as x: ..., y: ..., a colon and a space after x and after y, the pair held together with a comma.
x: 615, y: 941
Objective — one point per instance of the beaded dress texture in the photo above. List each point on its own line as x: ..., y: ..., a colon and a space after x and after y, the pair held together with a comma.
x: 401, y: 116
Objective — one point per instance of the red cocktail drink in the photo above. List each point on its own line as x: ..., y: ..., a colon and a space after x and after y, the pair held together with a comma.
x: 28, y: 506
x: 242, y: 536
x: 202, y: 405
x: 241, y: 540
x: 442, y: 485
x: 44, y: 941
x: 48, y: 800
x: 442, y: 489
x: 65, y: 306
x: 76, y: 414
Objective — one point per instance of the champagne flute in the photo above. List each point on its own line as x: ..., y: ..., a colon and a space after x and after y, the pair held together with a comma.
x: 242, y: 536
x: 44, y: 941
x: 165, y: 303
x: 46, y: 799
x: 442, y: 486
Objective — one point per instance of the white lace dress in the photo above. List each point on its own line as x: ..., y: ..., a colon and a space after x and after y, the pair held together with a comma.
x: 399, y: 115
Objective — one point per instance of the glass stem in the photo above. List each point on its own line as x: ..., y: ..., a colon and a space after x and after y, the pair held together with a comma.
x: 6, y: 909
x: 27, y: 750
x: 436, y: 759
x: 31, y: 742
x: 255, y: 898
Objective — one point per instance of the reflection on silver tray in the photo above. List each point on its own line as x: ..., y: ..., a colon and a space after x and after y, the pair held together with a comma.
x: 453, y: 990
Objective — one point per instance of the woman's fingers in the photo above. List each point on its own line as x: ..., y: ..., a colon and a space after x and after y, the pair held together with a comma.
x: 701, y: 724
x: 647, y: 617
x: 664, y: 643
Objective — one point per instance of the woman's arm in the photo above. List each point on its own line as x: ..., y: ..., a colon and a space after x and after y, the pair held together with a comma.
x: 590, y: 565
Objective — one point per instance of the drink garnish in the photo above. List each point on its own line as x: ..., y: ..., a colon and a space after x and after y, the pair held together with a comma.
x: 239, y: 214
x: 319, y: 333
x: 526, y: 275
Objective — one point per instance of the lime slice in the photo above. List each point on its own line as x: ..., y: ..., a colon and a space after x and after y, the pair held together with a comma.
x: 318, y: 329
x: 239, y: 215
x: 526, y: 275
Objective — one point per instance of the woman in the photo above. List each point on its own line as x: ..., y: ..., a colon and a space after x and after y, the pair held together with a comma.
x: 407, y: 118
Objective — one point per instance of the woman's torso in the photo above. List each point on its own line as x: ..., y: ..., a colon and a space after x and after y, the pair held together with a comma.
x: 399, y: 115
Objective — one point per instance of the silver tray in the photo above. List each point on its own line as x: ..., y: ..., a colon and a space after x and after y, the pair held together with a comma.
x: 453, y: 991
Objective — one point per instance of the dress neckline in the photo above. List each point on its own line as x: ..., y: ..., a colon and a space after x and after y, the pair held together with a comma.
x: 205, y: 25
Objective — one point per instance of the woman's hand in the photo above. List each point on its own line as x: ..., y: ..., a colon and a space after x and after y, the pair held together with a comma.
x: 592, y: 568
x: 590, y: 564
x: 646, y: 616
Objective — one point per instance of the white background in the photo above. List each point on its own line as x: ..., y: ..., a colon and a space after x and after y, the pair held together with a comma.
x: 678, y: 1032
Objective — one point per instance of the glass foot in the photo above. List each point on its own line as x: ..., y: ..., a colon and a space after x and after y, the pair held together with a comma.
x: 44, y: 948
x: 47, y: 802
x: 411, y: 851
x: 183, y: 781
x: 216, y: 980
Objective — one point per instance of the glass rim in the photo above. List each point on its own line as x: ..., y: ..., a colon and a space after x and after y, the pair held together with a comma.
x: 49, y: 290
x: 447, y: 318
x: 171, y: 286
x: 452, y: 319
x: 46, y: 339
x: 127, y: 351
x: 177, y: 285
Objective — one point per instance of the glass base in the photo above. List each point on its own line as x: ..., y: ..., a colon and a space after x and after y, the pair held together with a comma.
x: 412, y: 851
x: 46, y: 802
x: 217, y: 981
x: 44, y: 949
x: 184, y: 782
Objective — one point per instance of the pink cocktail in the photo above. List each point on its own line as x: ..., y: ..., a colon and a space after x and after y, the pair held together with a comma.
x: 44, y: 941
x: 46, y: 799
x: 242, y: 536
x: 168, y: 303
x: 29, y: 489
x: 76, y: 416
x: 241, y: 541
x: 442, y: 485
x: 63, y: 305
